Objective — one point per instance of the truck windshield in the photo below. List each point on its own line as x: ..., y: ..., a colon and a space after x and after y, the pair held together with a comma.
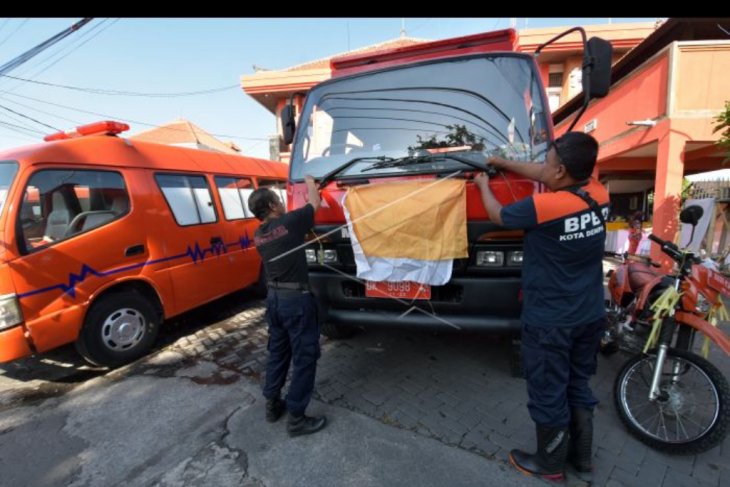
x: 475, y: 106
x: 8, y: 170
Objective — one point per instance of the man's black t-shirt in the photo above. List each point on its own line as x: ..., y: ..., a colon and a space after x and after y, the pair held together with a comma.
x: 279, y: 236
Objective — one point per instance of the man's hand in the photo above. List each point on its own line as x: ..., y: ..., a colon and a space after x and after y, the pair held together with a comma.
x: 312, y: 192
x: 490, y: 203
x: 498, y: 162
x: 482, y: 181
x: 530, y: 171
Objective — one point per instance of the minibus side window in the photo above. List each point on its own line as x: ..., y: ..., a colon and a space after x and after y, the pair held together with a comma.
x: 189, y: 198
x: 277, y: 186
x: 234, y: 193
x: 60, y: 204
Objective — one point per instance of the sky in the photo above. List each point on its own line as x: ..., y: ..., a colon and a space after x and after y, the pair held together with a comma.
x: 174, y: 56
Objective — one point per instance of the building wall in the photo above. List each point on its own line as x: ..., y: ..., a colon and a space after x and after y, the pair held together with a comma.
x: 702, y: 82
x: 640, y: 96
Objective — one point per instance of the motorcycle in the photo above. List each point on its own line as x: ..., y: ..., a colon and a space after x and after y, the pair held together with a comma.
x: 667, y: 396
x: 631, y: 286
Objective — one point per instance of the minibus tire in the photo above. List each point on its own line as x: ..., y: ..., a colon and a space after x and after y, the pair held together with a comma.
x: 96, y: 342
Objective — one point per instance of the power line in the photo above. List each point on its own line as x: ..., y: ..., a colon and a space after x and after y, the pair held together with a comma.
x: 13, y: 32
x: 60, y: 48
x: 17, y: 127
x: 72, y: 47
x: 102, y: 91
x: 31, y: 53
x: 5, y: 22
x: 19, y: 120
x: 35, y: 109
x: 13, y: 118
x: 125, y: 119
x: 29, y: 118
x: 49, y: 54
x: 24, y: 138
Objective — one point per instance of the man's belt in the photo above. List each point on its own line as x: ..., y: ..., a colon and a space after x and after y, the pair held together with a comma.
x: 292, y: 286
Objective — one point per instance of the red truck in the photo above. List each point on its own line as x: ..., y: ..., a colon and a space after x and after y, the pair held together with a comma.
x: 423, y: 112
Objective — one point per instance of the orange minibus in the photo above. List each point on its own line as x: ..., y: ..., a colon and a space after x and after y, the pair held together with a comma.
x: 104, y: 237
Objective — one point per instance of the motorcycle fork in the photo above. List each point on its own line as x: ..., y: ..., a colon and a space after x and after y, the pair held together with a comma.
x: 665, y: 339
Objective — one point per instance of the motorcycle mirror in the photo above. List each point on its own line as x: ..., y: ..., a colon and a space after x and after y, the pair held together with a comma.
x: 691, y: 215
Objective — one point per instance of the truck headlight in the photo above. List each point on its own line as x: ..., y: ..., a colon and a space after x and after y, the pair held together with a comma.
x: 10, y: 314
x: 325, y: 256
x: 490, y: 258
x: 328, y: 256
x: 515, y: 258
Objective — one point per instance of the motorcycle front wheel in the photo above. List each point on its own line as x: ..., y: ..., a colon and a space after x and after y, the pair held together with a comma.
x: 690, y: 415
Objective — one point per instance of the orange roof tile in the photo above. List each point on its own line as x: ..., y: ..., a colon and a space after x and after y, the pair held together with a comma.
x: 185, y: 132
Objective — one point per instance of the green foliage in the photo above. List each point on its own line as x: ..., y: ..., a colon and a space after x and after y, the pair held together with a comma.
x: 459, y: 136
x: 686, y: 189
x: 722, y: 123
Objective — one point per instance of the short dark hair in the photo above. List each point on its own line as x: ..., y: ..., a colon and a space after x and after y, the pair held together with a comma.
x: 261, y: 201
x: 577, y: 152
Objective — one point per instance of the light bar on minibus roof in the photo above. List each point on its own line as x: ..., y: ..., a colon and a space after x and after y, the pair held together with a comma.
x: 106, y: 127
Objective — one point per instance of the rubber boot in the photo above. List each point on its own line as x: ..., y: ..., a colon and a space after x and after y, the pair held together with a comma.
x: 305, y: 425
x: 549, y: 460
x: 580, y: 455
x: 275, y: 409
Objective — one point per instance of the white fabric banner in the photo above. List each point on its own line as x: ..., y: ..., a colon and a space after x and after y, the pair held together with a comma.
x: 433, y: 272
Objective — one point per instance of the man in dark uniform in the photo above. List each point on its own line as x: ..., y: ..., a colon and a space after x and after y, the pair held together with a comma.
x: 291, y: 310
x: 563, y: 311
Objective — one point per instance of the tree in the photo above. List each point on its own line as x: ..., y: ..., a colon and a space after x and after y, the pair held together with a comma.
x: 459, y: 136
x: 722, y: 122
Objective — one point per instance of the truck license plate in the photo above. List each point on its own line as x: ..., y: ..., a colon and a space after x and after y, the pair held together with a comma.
x: 401, y: 290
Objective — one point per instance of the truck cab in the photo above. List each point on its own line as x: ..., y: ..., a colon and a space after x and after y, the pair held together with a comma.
x: 423, y: 112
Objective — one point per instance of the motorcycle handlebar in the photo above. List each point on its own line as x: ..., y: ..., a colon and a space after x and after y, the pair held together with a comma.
x: 668, y: 247
x: 656, y: 239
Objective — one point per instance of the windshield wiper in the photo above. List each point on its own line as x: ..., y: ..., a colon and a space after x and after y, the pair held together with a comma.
x: 328, y: 177
x: 412, y: 160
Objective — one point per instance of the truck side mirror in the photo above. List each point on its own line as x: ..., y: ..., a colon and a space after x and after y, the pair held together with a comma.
x: 288, y: 124
x: 597, y: 67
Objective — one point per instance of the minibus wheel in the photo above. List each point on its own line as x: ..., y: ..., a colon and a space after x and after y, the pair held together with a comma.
x: 119, y: 328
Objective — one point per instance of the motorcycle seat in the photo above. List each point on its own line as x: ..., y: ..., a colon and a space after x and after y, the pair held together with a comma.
x: 640, y: 275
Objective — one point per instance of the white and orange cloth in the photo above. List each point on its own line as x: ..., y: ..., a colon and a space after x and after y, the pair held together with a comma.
x: 407, y: 231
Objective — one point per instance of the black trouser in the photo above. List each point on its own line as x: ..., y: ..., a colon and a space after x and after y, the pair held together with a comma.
x: 558, y: 364
x: 293, y: 337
